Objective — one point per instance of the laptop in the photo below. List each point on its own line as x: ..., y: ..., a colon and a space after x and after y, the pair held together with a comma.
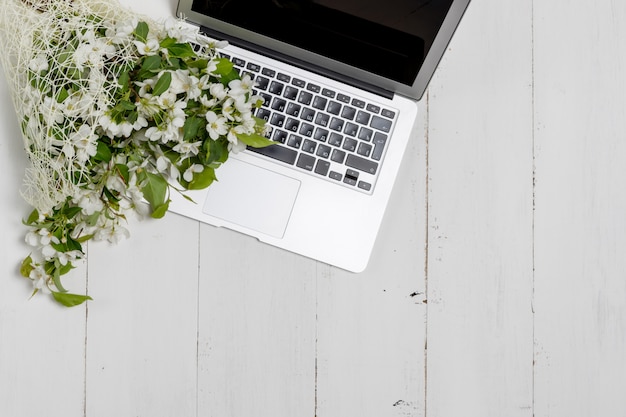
x: 341, y: 80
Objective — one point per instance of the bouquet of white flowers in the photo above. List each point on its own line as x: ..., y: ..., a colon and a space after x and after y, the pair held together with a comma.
x: 117, y: 111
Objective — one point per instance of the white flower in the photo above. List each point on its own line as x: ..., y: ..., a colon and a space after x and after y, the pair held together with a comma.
x: 184, y: 82
x: 180, y: 30
x: 188, y: 175
x: 89, y: 201
x: 218, y: 91
x: 234, y: 144
x: 122, y: 31
x: 187, y: 149
x: 150, y: 47
x: 216, y: 126
x: 40, y: 278
x: 52, y: 111
x: 85, y: 142
x: 39, y: 63
x: 242, y: 86
x: 114, y: 233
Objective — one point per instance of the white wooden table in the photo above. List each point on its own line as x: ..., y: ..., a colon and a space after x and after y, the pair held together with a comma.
x: 497, y: 286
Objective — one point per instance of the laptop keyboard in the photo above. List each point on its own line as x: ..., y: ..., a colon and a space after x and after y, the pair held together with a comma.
x: 319, y: 130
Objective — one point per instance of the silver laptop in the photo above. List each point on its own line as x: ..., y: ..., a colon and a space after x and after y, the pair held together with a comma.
x: 341, y: 80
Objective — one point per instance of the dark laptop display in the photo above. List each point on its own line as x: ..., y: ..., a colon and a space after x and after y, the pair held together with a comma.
x: 386, y: 37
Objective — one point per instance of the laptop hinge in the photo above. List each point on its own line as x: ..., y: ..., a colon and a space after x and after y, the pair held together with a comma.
x: 296, y: 62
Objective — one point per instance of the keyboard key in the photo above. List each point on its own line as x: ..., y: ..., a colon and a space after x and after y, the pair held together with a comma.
x: 322, y: 167
x: 290, y: 93
x: 307, y: 114
x: 309, y: 146
x: 366, y: 134
x: 278, y: 152
x: 364, y: 149
x: 334, y: 107
x: 283, y: 77
x: 269, y: 72
x: 323, y: 151
x: 320, y: 134
x: 361, y: 164
x: 358, y: 103
x: 388, y: 113
x: 298, y: 82
x: 305, y: 98
x: 306, y: 129
x: 351, y: 177
x: 279, y: 136
x: 306, y: 162
x: 350, y: 129
x: 338, y: 156
x: 319, y: 102
x: 293, y: 109
x: 279, y: 104
x: 336, y: 124
x: 343, y: 98
x: 365, y: 185
x: 363, y: 117
x: 328, y: 93
x: 381, y: 124
x: 348, y: 112
x: 373, y: 108
x: 349, y: 144
x: 335, y: 175
x: 262, y: 82
x: 292, y: 125
x: 294, y: 141
x: 380, y: 140
x: 253, y: 67
x: 277, y: 119
x: 335, y: 139
x: 238, y: 62
x: 263, y: 114
x: 313, y: 87
x: 322, y: 119
x: 276, y: 88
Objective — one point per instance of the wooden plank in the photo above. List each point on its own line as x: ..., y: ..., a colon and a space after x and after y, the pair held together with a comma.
x: 42, y: 345
x: 256, y: 328
x: 580, y: 230
x: 480, y: 324
x: 371, y: 326
x: 142, y: 324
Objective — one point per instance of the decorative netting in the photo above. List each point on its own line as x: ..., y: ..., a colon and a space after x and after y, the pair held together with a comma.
x: 40, y: 52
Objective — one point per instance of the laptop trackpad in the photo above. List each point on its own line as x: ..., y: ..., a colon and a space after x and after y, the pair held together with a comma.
x: 252, y: 197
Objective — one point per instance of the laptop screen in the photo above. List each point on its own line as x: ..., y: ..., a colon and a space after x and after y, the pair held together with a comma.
x: 387, y: 46
x: 389, y: 38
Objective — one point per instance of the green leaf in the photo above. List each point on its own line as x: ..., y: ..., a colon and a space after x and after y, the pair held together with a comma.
x: 227, y: 71
x: 26, y: 267
x: 150, y: 66
x: 141, y: 32
x: 159, y: 212
x: 123, y: 171
x: 181, y: 50
x: 103, y: 153
x: 154, y: 189
x: 70, y: 300
x: 123, y: 81
x: 162, y: 84
x: 62, y: 95
x: 56, y: 276
x: 202, y: 180
x: 191, y: 127
x: 32, y: 218
x: 255, y: 140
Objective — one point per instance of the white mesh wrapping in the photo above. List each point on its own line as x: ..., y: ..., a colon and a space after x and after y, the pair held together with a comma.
x: 31, y: 33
